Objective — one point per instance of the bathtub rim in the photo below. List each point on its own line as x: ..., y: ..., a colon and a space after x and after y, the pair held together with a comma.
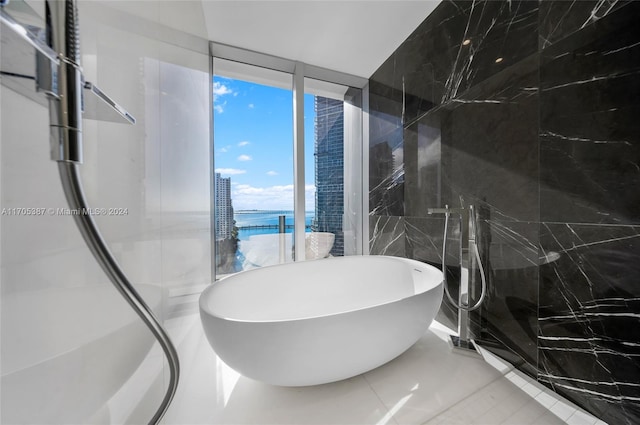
x: 203, y: 307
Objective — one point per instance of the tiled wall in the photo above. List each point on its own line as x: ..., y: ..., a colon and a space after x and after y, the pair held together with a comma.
x: 533, y: 121
x: 70, y: 344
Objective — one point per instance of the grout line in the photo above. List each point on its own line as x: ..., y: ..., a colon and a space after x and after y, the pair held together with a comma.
x: 560, y: 406
x: 581, y: 418
x: 389, y: 415
x: 508, y: 419
x: 483, y: 388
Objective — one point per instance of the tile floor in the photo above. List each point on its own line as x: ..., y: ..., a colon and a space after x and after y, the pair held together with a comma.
x: 429, y: 384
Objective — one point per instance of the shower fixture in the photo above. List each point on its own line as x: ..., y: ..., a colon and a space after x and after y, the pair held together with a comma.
x: 468, y: 254
x: 58, y: 74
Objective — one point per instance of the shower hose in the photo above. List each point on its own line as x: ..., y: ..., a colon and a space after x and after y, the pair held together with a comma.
x: 71, y: 183
x: 483, y: 292
x: 63, y: 38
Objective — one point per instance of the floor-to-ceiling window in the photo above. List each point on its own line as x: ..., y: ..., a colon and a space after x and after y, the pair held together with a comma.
x: 325, y: 153
x: 253, y: 157
x: 283, y: 166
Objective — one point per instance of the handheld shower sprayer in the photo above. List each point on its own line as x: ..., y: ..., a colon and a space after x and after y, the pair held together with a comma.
x: 469, y: 253
x: 65, y: 98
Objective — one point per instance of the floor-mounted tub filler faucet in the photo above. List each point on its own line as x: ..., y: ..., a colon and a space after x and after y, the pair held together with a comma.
x: 59, y: 75
x: 469, y: 256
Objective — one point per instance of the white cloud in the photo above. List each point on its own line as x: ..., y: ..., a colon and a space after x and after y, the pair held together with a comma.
x: 224, y: 149
x: 220, y: 89
x: 244, y: 143
x: 251, y: 106
x: 272, y: 173
x: 230, y: 171
x: 244, y: 158
x: 247, y: 197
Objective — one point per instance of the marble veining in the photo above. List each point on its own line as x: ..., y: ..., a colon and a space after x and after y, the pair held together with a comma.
x: 589, y: 316
x: 561, y: 18
x: 387, y: 235
x: 527, y: 110
x: 583, y: 139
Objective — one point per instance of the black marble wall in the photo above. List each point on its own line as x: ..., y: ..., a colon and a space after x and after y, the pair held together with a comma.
x: 589, y: 317
x: 531, y: 112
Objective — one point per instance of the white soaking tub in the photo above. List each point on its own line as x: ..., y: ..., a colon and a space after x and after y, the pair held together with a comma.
x: 321, y: 321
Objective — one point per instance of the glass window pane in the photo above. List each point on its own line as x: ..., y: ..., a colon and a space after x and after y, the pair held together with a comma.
x: 253, y: 156
x: 326, y: 106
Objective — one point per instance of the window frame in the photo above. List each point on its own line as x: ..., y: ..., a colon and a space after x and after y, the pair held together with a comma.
x: 356, y: 138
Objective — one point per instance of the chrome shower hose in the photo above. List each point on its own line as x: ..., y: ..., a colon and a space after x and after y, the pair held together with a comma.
x: 483, y: 291
x: 71, y: 183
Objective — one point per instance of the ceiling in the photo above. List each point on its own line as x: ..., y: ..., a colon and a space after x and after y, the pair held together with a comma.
x: 353, y: 37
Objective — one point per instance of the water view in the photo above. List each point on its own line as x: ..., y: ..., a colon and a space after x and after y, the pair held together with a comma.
x: 256, y: 222
x: 258, y: 243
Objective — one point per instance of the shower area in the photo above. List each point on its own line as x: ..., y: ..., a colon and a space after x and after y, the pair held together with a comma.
x: 528, y: 111
x: 73, y: 351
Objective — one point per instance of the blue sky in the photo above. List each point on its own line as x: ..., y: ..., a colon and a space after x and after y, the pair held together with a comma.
x: 253, y: 139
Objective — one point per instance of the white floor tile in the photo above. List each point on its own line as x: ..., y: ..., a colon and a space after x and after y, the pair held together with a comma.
x: 510, y: 400
x: 519, y: 379
x: 549, y: 419
x: 562, y: 410
x: 211, y: 393
x: 531, y: 389
x: 546, y: 398
x: 345, y: 402
x: 430, y: 384
x: 429, y: 378
x: 581, y: 418
x: 527, y: 414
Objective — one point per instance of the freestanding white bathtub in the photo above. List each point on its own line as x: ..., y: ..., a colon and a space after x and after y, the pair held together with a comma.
x: 321, y: 321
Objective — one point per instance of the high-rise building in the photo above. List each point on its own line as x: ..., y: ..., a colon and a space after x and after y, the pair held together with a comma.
x: 223, y: 208
x: 329, y: 169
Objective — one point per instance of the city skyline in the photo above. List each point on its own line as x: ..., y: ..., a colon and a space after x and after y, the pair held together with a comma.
x: 329, y: 170
x: 224, y: 217
x: 254, y: 144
